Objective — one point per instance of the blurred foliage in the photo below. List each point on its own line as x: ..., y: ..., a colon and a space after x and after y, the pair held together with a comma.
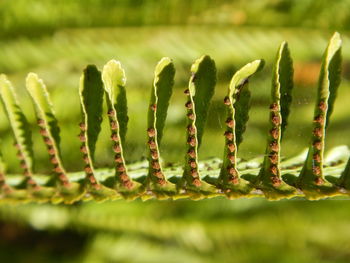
x: 57, y: 39
x: 182, y: 231
x: 36, y: 18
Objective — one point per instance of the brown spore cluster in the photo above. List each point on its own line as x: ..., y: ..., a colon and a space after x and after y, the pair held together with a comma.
x: 120, y: 167
x: 319, y: 123
x: 192, y: 141
x: 274, y: 146
x: 88, y: 166
x: 53, y: 154
x: 155, y: 167
x: 26, y: 170
x: 230, y: 145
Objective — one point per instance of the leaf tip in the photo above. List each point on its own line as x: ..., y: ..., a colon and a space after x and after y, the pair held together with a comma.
x: 334, y: 44
x: 113, y: 70
x: 90, y: 73
x: 31, y: 79
x: 202, y: 59
x: 89, y: 69
x: 260, y: 63
x: 32, y: 75
x: 284, y: 44
x: 284, y: 47
x: 165, y: 61
x: 336, y: 38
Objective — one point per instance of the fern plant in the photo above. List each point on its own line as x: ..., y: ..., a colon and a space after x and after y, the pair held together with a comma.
x: 231, y: 177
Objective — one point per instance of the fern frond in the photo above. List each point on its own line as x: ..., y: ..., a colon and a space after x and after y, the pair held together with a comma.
x: 273, y: 178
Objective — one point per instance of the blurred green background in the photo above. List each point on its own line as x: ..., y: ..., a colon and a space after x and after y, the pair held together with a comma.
x: 56, y: 39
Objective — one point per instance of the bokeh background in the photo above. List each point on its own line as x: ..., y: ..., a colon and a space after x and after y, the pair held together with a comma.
x: 57, y: 39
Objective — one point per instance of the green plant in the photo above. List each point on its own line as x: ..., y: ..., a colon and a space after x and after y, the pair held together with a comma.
x: 193, y: 179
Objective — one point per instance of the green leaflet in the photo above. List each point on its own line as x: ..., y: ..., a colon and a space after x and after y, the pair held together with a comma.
x: 91, y: 98
x: 114, y: 80
x: 269, y: 178
x: 68, y: 192
x: 47, y: 122
x: 199, y: 93
x: 311, y: 178
x: 160, y: 95
x: 19, y: 125
x: 237, y: 104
